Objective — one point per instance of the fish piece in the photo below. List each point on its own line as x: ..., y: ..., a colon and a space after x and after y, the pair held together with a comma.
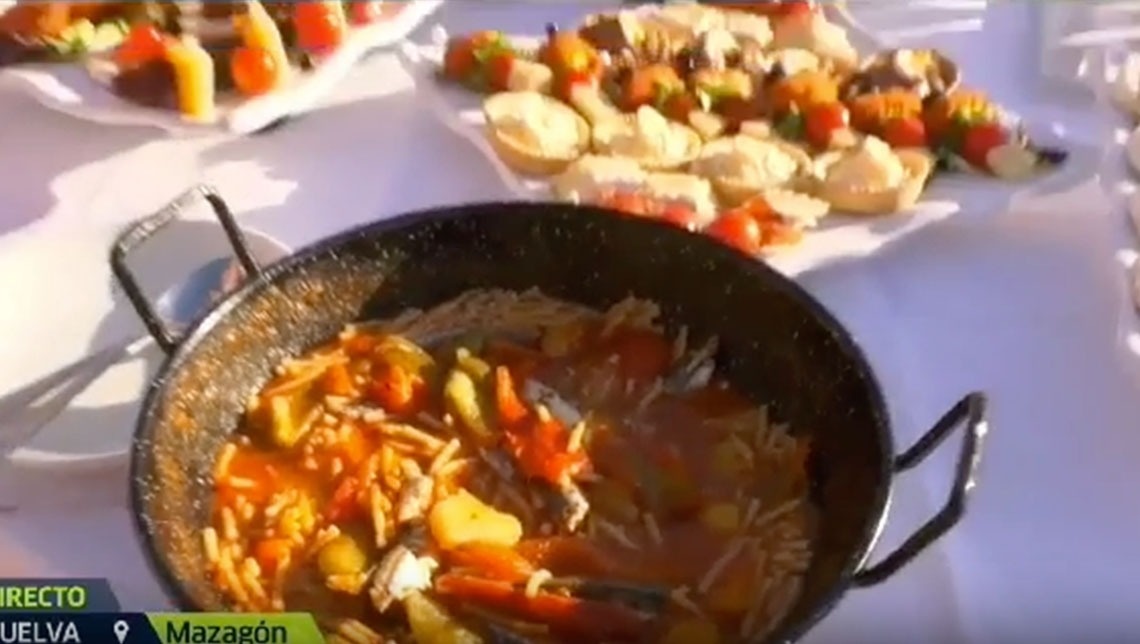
x: 400, y: 573
x: 403, y: 569
x: 567, y: 497
x: 573, y: 505
x: 415, y: 496
x: 537, y: 393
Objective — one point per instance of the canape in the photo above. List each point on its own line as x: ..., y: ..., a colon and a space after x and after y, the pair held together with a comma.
x: 871, y: 178
x: 535, y: 134
x: 739, y: 167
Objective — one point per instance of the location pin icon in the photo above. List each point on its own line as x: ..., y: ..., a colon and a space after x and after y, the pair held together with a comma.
x: 121, y: 628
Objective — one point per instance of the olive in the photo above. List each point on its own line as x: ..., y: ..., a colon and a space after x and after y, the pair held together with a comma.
x: 687, y: 60
x: 1052, y: 156
x: 775, y: 74
x: 342, y: 556
x: 936, y: 94
x: 551, y: 30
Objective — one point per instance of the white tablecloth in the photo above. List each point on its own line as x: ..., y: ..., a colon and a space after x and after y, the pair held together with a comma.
x: 1025, y: 305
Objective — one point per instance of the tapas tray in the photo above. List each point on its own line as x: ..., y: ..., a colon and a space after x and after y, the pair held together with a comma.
x: 838, y: 234
x: 82, y: 88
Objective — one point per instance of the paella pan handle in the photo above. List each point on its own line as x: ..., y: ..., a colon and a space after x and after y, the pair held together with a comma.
x: 139, y: 232
x: 970, y: 414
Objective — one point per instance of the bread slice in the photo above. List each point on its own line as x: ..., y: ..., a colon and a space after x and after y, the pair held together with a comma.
x: 917, y: 165
x: 527, y: 157
x: 735, y: 189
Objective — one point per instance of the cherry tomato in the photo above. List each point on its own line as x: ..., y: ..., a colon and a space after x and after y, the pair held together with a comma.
x: 370, y: 11
x: 396, y: 390
x: 822, y: 121
x: 626, y: 201
x: 144, y: 43
x: 738, y: 229
x: 978, y: 140
x: 778, y: 233
x: 254, y: 70
x: 679, y: 215
x: 320, y: 25
x: 647, y: 84
x: 679, y: 105
x: 737, y: 110
x: 794, y: 8
x: 459, y: 62
x: 905, y: 133
x: 497, y: 70
x: 564, y: 85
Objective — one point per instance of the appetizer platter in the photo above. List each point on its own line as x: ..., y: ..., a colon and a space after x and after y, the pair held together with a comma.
x: 753, y: 123
x: 239, y: 65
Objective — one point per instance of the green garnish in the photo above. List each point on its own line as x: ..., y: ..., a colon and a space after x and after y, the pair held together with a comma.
x: 711, y: 95
x: 791, y: 126
x: 84, y: 37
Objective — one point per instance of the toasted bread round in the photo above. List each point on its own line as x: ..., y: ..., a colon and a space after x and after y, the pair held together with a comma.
x: 736, y: 190
x: 918, y: 166
x: 604, y: 134
x: 522, y: 156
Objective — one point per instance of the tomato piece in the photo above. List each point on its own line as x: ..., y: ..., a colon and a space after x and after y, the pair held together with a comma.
x: 626, y: 201
x: 320, y: 25
x: 822, y: 121
x: 344, y: 505
x: 651, y: 85
x: 271, y: 552
x: 679, y: 215
x: 337, y: 381
x: 497, y: 70
x: 541, y: 451
x: 370, y: 11
x: 396, y: 390
x: 459, y: 61
x: 738, y: 229
x: 565, y: 84
x: 978, y: 140
x: 143, y: 43
x: 679, y: 105
x: 779, y: 233
x: 794, y: 8
x: 511, y: 408
x: 905, y: 133
x: 254, y: 70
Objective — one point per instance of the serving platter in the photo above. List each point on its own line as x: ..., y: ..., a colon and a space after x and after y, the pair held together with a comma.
x: 838, y: 235
x: 82, y: 90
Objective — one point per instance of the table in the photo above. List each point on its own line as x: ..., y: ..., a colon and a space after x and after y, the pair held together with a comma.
x: 1022, y: 304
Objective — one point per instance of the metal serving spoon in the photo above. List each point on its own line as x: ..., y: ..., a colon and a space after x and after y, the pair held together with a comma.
x: 24, y: 412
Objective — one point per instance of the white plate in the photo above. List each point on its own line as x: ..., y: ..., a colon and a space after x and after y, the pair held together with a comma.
x: 71, y: 88
x: 96, y: 429
x: 838, y: 236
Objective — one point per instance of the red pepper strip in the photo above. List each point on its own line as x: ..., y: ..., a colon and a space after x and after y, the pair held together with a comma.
x: 542, y: 451
x: 592, y: 620
x: 570, y: 556
x: 343, y: 505
x: 495, y: 562
x: 511, y: 408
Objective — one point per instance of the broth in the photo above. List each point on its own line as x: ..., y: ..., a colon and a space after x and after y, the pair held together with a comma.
x: 559, y: 475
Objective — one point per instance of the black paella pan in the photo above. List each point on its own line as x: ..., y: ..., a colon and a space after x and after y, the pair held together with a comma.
x: 778, y: 344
